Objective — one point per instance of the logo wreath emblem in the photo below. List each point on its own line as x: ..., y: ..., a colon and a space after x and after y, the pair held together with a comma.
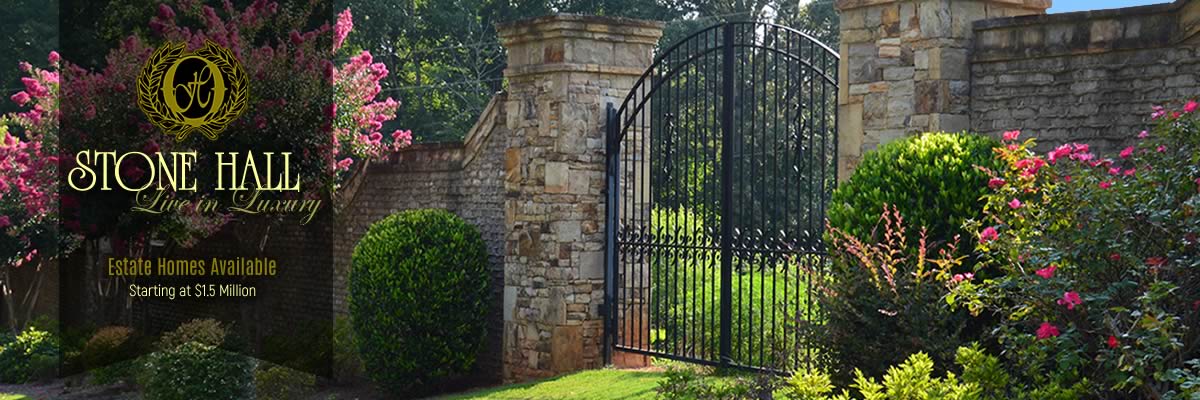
x: 202, y: 91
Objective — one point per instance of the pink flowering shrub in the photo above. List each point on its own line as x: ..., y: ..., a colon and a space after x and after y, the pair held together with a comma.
x: 327, y: 115
x: 1095, y: 260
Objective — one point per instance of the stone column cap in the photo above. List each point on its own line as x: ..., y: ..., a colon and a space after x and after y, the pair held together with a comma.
x: 613, y: 29
x: 578, y: 43
x: 1031, y: 4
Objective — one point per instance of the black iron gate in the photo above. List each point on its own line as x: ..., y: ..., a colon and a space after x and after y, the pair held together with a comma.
x: 720, y: 162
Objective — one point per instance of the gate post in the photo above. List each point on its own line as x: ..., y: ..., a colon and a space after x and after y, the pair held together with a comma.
x: 727, y: 136
x: 562, y: 71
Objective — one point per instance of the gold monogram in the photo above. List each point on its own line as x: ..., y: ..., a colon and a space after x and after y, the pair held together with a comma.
x: 202, y: 91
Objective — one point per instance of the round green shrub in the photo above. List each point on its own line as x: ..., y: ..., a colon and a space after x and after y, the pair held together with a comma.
x: 931, y: 179
x: 195, y: 362
x: 32, y: 355
x: 419, y: 298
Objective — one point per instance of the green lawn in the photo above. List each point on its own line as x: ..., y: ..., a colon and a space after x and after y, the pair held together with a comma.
x: 6, y: 396
x: 595, y: 384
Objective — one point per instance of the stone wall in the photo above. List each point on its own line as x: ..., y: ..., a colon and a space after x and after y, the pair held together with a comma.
x: 904, y: 68
x: 1087, y: 76
x: 987, y: 66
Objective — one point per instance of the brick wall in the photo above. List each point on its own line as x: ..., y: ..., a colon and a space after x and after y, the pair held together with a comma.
x: 466, y: 178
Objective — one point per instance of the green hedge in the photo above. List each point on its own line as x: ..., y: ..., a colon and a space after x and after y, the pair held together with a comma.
x: 419, y: 299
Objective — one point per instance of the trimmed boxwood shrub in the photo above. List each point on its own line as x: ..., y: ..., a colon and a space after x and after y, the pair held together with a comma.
x: 418, y: 299
x: 931, y: 179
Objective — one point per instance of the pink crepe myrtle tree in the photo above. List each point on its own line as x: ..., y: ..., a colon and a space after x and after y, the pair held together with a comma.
x: 327, y: 113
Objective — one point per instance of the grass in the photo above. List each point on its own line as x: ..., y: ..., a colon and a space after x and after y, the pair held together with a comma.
x: 597, y: 384
x: 6, y: 396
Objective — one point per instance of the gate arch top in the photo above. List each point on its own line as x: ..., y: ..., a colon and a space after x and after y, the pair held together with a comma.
x: 720, y: 162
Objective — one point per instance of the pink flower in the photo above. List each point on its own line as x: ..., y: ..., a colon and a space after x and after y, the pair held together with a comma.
x: 1130, y: 172
x: 1114, y: 171
x: 1067, y: 178
x: 20, y: 98
x: 989, y: 234
x: 995, y: 182
x: 1161, y: 149
x: 1047, y: 330
x: 4, y: 221
x: 165, y: 12
x: 1197, y: 183
x: 401, y: 138
x: 1011, y: 135
x: 1105, y: 185
x: 1112, y: 342
x: 341, y: 29
x: 331, y: 111
x: 90, y: 113
x: 295, y: 37
x: 1048, y: 272
x: 1190, y: 106
x: 345, y: 163
x: 1114, y: 257
x: 1158, y: 112
x: 1014, y: 204
x: 1143, y: 135
x: 53, y: 57
x: 1070, y: 299
x: 1127, y: 152
x: 1060, y: 152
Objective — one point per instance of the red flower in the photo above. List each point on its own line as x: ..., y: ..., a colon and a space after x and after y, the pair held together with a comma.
x: 1130, y: 172
x: 1114, y: 257
x: 1105, y: 185
x: 1190, y: 106
x: 1047, y: 330
x: 1070, y: 299
x: 1048, y: 272
x: 1127, y: 152
x: 1112, y: 342
x: 989, y: 234
x: 998, y: 182
x: 1011, y: 135
x: 1156, y: 261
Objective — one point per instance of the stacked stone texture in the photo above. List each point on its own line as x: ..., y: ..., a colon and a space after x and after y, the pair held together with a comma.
x: 563, y: 70
x: 1089, y: 76
x: 904, y: 68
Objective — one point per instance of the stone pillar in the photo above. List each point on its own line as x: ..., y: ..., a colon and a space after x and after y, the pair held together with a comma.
x: 905, y: 68
x: 562, y: 71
